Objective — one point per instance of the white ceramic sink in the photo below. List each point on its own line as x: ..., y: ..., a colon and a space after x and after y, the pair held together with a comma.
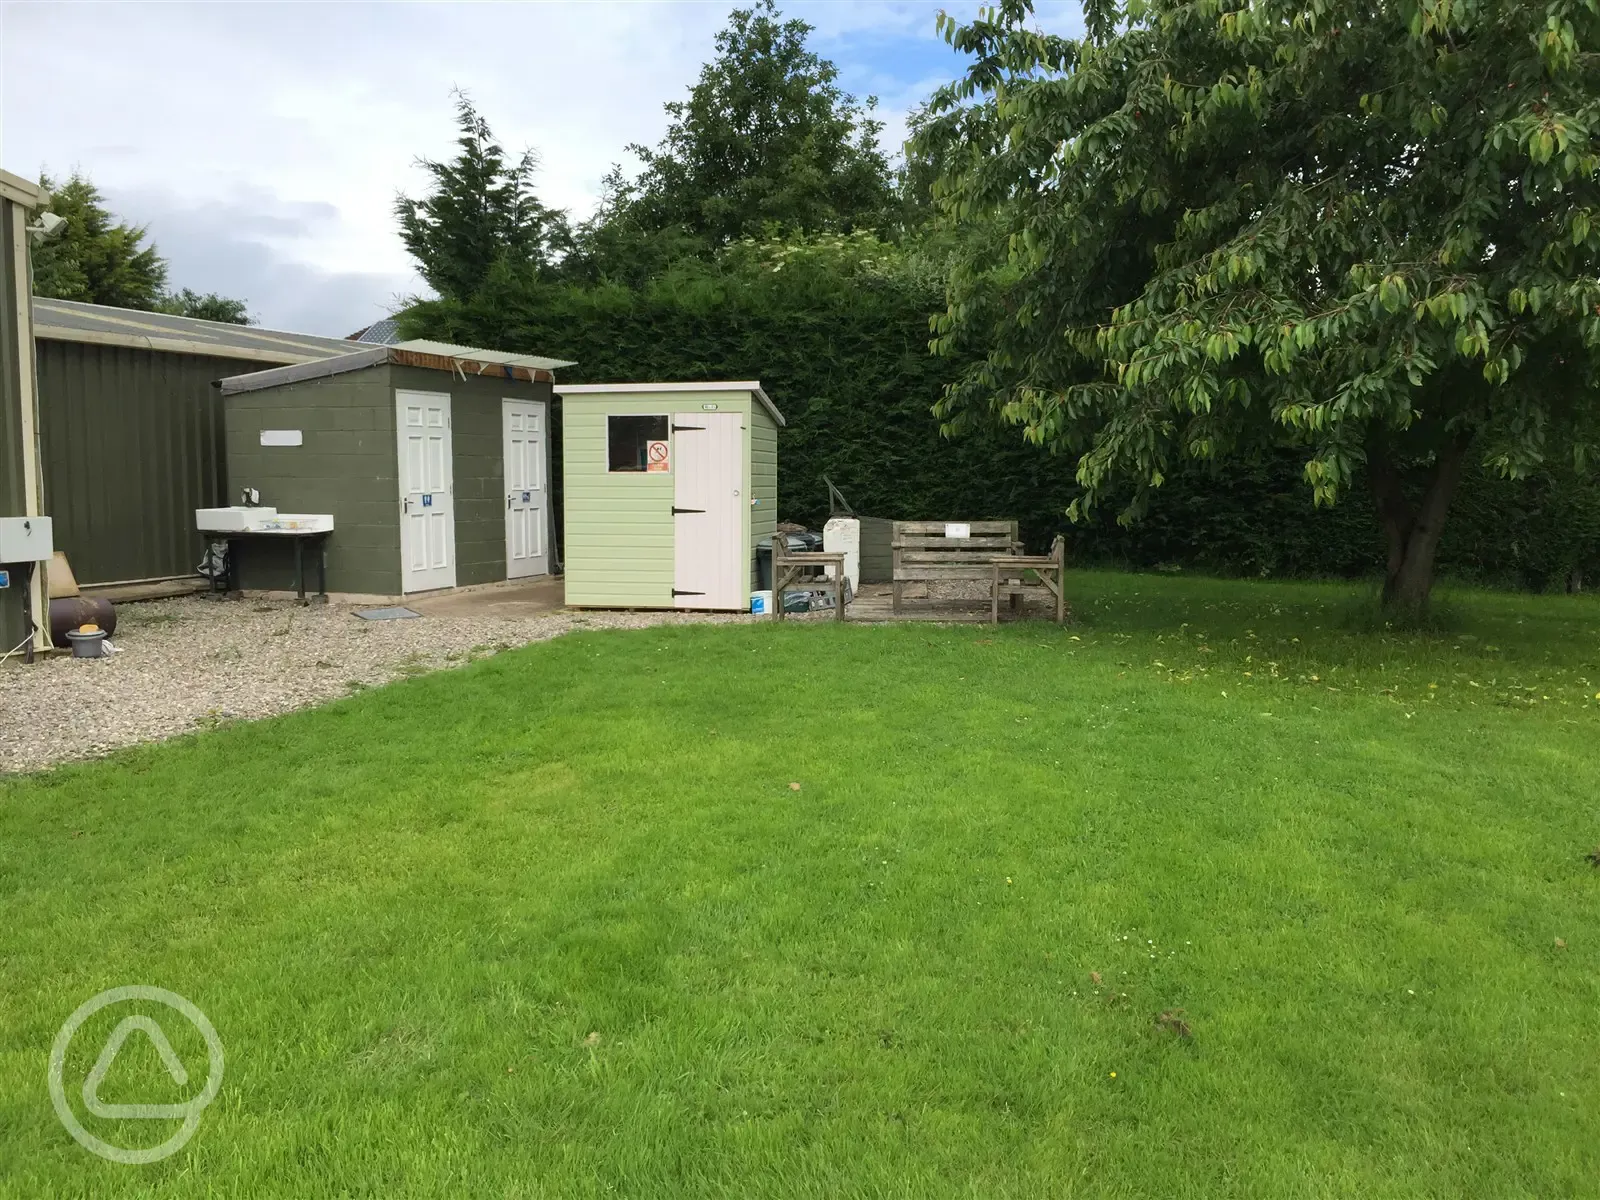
x: 238, y: 518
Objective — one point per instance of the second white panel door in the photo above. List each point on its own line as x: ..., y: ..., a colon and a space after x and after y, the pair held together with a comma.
x: 527, y: 514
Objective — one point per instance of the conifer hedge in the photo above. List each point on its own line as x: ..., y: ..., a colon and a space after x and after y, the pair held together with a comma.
x: 844, y: 356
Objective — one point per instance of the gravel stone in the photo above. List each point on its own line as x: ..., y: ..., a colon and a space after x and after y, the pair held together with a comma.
x: 195, y: 662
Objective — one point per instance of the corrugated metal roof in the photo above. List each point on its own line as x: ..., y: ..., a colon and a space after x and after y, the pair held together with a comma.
x: 461, y: 360
x: 752, y: 386
x: 72, y: 321
x: 478, y: 354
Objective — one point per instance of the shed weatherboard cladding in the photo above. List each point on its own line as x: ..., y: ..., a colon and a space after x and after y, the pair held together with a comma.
x: 13, y: 338
x: 132, y: 445
x: 762, y: 448
x: 619, y: 526
x: 347, y: 466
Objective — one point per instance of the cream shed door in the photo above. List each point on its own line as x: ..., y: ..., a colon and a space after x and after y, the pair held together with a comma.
x: 427, y: 505
x: 710, y: 560
x: 526, y: 510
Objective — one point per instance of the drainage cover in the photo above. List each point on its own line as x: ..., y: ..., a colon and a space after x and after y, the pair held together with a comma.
x: 386, y: 614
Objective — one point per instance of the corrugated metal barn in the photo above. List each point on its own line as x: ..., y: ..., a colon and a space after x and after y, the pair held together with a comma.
x: 19, y: 475
x: 131, y: 429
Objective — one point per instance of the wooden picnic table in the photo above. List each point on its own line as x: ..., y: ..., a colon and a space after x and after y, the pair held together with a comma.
x: 1010, y: 573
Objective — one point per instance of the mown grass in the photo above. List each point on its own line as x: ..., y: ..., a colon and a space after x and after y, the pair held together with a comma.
x: 556, y: 924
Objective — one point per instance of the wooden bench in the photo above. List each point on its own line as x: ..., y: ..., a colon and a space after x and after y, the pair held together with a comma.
x: 791, y: 568
x: 942, y: 551
x: 1011, y: 578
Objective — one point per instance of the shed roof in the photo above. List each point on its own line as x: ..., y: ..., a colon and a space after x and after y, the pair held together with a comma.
x: 480, y: 355
x: 460, y: 360
x: 752, y: 386
x: 101, y: 324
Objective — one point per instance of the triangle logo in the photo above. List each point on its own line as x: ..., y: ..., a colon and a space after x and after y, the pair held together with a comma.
x: 108, y: 1055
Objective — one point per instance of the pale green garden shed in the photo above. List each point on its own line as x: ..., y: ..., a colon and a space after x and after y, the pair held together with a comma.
x: 669, y: 488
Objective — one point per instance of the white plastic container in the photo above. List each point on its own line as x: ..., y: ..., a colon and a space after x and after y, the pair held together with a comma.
x: 761, y: 603
x: 842, y: 535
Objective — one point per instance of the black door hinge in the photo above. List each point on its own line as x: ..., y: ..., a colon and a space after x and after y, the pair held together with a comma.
x: 677, y: 592
x: 676, y: 510
x: 676, y: 428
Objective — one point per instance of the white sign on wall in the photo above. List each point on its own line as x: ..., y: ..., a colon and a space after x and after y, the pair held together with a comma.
x: 282, y: 437
x: 958, y: 530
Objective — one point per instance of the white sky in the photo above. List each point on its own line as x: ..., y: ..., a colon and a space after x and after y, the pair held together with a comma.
x: 263, y: 143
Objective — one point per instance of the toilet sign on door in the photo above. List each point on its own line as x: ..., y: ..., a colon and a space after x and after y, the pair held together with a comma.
x: 657, y: 457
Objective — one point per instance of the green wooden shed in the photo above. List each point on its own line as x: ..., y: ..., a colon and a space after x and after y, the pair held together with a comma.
x: 433, y: 460
x: 669, y: 489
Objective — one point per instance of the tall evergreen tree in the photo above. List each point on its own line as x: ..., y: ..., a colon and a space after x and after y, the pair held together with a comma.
x: 95, y: 258
x: 480, y: 212
x: 765, y: 137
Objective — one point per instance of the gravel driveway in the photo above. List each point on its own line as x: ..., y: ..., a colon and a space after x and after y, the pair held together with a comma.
x: 192, y: 662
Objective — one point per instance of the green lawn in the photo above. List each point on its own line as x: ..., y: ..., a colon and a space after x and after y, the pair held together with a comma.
x: 557, y: 924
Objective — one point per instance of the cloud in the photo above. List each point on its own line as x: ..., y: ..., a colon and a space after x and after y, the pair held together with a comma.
x: 248, y: 246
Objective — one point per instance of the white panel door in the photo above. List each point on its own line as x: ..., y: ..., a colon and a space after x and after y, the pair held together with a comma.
x: 526, y: 506
x: 711, y: 562
x: 427, y: 486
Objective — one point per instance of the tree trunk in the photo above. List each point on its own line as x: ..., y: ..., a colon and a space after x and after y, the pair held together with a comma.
x: 1412, y: 530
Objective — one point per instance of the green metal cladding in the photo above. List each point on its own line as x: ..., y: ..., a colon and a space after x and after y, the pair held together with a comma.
x: 132, y: 445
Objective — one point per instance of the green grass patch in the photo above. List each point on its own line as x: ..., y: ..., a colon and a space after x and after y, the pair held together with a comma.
x: 1208, y: 894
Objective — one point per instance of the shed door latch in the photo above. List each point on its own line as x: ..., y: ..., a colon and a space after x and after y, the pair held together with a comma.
x: 676, y: 510
x: 677, y: 428
x: 680, y: 592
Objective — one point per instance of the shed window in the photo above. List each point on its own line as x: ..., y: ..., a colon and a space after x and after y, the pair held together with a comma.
x: 628, y: 440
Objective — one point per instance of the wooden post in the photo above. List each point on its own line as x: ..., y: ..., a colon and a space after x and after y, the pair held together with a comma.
x: 1058, y: 551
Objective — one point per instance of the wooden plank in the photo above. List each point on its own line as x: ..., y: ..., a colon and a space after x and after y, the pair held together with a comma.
x: 938, y: 572
x: 907, y: 557
x: 972, y: 544
x: 937, y: 527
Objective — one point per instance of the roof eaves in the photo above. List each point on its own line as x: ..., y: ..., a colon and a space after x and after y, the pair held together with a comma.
x: 753, y: 386
x: 21, y: 191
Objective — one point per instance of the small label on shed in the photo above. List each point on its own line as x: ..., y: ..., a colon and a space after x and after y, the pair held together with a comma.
x: 709, y: 407
x: 5, y: 579
x: 658, y: 460
x: 427, y: 499
x: 282, y: 437
x: 527, y: 496
x: 958, y: 530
